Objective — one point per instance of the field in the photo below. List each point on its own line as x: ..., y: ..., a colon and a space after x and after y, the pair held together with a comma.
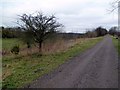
x: 7, y: 44
x: 24, y: 68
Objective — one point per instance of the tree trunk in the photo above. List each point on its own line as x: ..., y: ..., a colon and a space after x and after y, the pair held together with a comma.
x: 40, y: 47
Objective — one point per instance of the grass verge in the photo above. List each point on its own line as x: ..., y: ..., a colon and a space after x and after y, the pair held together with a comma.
x: 117, y: 44
x: 20, y: 70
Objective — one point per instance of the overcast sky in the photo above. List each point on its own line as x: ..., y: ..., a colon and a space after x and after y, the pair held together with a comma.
x: 75, y: 15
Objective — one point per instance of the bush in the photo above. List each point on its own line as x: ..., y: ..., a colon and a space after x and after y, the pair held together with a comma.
x: 101, y: 31
x: 91, y: 34
x: 15, y: 49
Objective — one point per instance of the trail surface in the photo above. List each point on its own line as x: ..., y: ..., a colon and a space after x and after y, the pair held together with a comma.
x: 95, y: 68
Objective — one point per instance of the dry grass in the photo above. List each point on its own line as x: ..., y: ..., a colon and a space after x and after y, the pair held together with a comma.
x: 53, y: 47
x: 48, y: 47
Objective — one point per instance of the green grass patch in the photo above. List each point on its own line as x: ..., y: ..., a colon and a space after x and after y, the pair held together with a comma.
x: 19, y: 70
x: 7, y: 44
x: 117, y: 44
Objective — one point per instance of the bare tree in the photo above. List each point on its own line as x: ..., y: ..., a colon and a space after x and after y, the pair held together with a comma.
x: 39, y: 26
x: 114, y: 5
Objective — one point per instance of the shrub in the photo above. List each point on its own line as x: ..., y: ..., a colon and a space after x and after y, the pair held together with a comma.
x: 91, y: 34
x: 15, y: 49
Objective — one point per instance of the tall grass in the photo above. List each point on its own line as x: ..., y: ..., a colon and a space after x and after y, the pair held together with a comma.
x: 48, y: 47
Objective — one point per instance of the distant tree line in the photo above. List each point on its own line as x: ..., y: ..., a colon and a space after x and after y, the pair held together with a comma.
x: 11, y: 32
x: 114, y: 31
x: 99, y: 31
x: 17, y: 32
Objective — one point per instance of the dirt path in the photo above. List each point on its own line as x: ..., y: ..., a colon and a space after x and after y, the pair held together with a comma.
x: 95, y: 68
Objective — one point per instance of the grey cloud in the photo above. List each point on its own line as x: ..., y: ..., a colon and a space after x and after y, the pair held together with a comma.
x: 76, y: 15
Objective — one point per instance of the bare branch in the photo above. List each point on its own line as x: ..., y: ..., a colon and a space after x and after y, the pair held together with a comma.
x: 114, y: 5
x: 40, y: 26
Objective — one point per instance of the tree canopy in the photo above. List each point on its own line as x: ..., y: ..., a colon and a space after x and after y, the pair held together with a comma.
x: 39, y: 26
